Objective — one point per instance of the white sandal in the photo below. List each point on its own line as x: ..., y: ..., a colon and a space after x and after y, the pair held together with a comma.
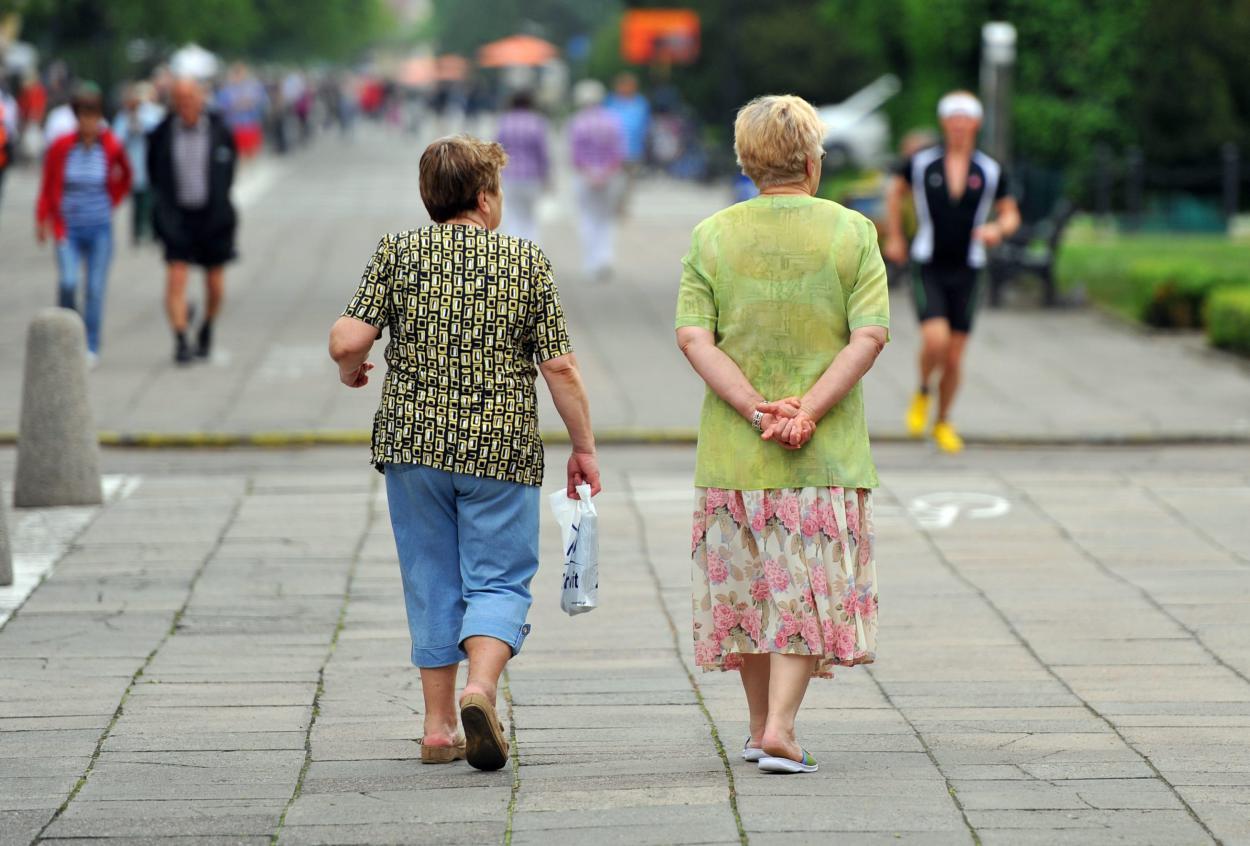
x: 775, y: 764
x: 751, y: 753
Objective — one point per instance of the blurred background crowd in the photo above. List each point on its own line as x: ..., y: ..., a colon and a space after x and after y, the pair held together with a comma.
x: 1124, y: 125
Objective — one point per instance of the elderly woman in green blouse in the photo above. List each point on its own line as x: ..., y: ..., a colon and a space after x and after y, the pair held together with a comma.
x: 783, y: 308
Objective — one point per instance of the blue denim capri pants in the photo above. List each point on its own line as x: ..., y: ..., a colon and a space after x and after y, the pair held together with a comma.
x: 468, y: 550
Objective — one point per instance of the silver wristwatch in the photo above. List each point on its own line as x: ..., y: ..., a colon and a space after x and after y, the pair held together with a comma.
x: 757, y: 421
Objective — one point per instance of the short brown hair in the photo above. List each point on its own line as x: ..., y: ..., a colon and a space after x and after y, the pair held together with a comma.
x: 454, y: 170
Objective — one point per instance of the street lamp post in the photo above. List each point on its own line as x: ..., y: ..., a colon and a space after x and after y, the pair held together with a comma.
x: 998, y: 55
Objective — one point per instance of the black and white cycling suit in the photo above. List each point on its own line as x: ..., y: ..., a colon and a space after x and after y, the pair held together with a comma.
x: 948, y: 257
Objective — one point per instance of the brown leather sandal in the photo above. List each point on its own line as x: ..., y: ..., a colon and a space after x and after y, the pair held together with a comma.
x: 441, y: 754
x: 485, y: 746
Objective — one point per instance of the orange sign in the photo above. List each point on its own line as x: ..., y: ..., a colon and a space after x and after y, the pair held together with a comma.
x: 660, y: 35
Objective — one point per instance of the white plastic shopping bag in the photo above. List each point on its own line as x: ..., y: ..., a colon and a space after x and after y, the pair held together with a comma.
x: 579, y: 528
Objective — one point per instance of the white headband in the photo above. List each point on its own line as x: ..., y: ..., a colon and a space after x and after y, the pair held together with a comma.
x: 959, y: 104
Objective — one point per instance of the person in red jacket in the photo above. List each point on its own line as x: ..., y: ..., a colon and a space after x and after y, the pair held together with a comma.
x: 85, y: 176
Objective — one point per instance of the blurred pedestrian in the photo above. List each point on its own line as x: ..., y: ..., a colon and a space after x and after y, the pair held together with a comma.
x: 32, y: 104
x: 634, y: 113
x: 523, y: 134
x: 85, y: 176
x: 783, y: 309
x: 956, y: 188
x: 8, y: 133
x: 138, y: 117
x: 598, y: 144
x: 456, y: 434
x: 243, y: 102
x: 191, y: 163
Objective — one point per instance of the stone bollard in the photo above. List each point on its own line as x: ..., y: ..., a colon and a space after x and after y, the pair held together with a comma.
x: 6, y: 548
x: 58, y: 451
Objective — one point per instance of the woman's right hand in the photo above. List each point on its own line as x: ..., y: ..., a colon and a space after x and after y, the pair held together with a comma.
x: 41, y: 231
x: 583, y: 469
x: 786, y: 423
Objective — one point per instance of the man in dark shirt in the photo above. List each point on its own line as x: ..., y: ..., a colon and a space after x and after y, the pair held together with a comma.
x: 191, y: 159
x: 956, y: 188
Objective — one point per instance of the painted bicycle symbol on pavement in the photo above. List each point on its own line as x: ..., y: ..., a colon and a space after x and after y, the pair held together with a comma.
x: 941, y: 510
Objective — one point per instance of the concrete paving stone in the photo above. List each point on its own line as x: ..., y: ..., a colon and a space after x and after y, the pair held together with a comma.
x: 952, y: 749
x: 534, y: 799
x: 172, y: 694
x: 68, y: 669
x: 187, y: 822
x: 932, y: 810
x: 416, y: 807
x: 1159, y: 827
x: 171, y: 809
x: 21, y: 826
x: 1157, y: 684
x: 23, y: 744
x: 1085, y: 837
x: 132, y: 786
x: 145, y: 719
x: 288, y: 548
x: 190, y: 840
x: 625, y: 772
x: 867, y: 838
x: 697, y: 820
x: 643, y: 835
x: 364, y: 750
x: 57, y: 723
x: 398, y: 834
x: 1081, y: 770
x: 173, y: 739
x: 1147, y: 793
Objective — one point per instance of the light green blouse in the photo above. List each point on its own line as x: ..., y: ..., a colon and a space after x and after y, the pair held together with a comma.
x: 782, y: 281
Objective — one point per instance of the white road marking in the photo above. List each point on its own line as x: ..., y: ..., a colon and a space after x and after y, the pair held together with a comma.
x: 40, y: 537
x: 941, y: 510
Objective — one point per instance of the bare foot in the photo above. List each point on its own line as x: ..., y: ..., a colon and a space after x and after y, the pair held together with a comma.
x: 482, y: 690
x: 779, y: 745
x: 441, y: 735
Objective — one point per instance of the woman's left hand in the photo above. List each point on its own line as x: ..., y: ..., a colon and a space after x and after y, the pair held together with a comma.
x: 357, y: 378
x: 786, y: 423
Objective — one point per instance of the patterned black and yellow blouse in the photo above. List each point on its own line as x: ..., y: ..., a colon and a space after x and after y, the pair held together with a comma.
x: 470, y: 313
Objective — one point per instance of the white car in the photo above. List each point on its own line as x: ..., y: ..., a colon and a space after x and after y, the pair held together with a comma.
x: 856, y: 133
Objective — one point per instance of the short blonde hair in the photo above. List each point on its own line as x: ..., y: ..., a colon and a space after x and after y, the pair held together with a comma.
x: 454, y: 170
x: 774, y: 136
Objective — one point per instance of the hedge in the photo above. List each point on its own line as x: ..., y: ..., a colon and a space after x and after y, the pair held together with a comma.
x: 1163, y: 284
x: 1228, y: 318
x: 1178, y: 292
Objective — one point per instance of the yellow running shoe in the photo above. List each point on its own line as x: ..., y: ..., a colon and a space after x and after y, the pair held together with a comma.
x: 947, y: 438
x: 918, y: 415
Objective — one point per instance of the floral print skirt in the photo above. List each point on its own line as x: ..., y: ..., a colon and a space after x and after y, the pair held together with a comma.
x: 789, y: 571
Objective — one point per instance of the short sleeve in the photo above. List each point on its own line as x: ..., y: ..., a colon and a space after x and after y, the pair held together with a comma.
x: 903, y: 169
x: 551, y: 334
x: 869, y: 300
x: 696, y: 301
x: 371, y: 302
x: 1003, y: 189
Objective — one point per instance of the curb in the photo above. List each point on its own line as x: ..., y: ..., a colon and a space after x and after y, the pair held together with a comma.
x: 626, y: 437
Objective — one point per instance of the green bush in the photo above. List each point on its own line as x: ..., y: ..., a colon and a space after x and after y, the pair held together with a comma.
x: 1160, y: 281
x: 1177, y: 292
x: 1228, y: 318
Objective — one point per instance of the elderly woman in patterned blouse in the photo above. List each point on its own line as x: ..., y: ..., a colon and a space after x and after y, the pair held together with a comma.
x: 473, y: 315
x: 782, y: 310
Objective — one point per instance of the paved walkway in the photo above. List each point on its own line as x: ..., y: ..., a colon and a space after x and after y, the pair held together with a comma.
x: 220, y: 656
x: 310, y: 222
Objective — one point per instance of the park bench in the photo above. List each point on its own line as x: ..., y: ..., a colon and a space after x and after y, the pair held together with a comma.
x: 1031, y: 251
